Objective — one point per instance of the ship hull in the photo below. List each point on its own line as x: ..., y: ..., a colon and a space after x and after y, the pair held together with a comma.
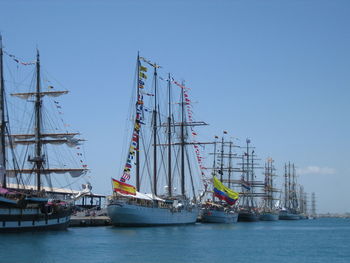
x: 124, y: 214
x: 32, y: 219
x: 269, y: 217
x: 214, y: 216
x: 248, y: 217
x: 288, y: 216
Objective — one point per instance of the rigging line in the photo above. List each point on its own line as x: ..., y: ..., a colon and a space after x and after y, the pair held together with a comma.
x: 43, y: 70
x: 190, y: 171
x: 176, y: 167
x: 162, y: 164
x: 146, y: 163
x: 30, y: 73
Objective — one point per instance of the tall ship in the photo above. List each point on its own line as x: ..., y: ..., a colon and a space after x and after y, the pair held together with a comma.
x: 313, y: 214
x: 248, y: 208
x: 29, y: 160
x: 303, y: 208
x: 290, y: 210
x: 222, y: 206
x: 269, y: 210
x: 158, y: 163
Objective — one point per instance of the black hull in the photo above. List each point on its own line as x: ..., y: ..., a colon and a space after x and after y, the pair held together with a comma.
x: 247, y: 217
x: 33, y: 219
x: 57, y: 227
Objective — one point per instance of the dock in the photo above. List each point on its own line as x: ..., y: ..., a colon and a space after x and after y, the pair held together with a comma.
x: 88, y: 221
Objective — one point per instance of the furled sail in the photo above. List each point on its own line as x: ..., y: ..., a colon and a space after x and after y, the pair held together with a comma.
x: 27, y: 95
x: 73, y: 172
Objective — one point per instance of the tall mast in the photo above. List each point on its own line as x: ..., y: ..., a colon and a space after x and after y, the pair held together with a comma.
x: 182, y: 141
x: 3, y: 122
x: 285, y: 186
x: 169, y: 137
x: 289, y: 187
x: 138, y: 137
x: 222, y: 159
x: 248, y: 172
x: 244, y: 190
x: 252, y: 177
x: 214, y: 162
x: 214, y: 165
x: 38, y: 160
x: 155, y: 134
x: 230, y: 166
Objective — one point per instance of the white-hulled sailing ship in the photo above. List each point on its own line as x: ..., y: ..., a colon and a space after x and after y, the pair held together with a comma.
x: 27, y: 199
x: 221, y: 208
x: 158, y: 159
x: 269, y: 210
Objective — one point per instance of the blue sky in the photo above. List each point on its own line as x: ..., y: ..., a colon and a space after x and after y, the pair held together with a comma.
x: 274, y: 71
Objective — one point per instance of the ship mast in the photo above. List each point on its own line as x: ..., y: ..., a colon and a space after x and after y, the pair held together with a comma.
x: 182, y: 142
x: 138, y: 137
x: 169, y: 137
x: 222, y: 159
x: 230, y: 165
x: 285, y: 187
x: 3, y: 122
x: 38, y: 159
x: 155, y: 134
x: 38, y: 138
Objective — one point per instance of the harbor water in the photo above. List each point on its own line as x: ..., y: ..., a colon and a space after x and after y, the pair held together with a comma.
x: 321, y: 240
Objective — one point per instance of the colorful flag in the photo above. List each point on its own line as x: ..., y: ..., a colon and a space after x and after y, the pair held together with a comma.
x: 142, y: 68
x: 123, y: 188
x: 224, y: 193
x: 245, y: 186
x: 143, y: 75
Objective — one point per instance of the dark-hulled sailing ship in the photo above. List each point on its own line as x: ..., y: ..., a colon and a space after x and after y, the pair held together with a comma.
x: 248, y: 209
x: 25, y: 206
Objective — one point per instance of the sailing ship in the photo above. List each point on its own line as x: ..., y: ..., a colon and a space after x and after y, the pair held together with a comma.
x: 302, y: 203
x: 128, y: 205
x: 224, y: 209
x: 290, y: 211
x: 269, y: 211
x: 248, y: 210
x: 27, y: 198
x: 313, y: 214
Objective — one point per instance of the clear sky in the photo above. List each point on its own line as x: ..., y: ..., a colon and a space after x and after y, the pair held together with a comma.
x: 274, y: 71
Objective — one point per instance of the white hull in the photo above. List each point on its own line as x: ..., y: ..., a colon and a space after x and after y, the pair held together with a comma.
x: 124, y: 214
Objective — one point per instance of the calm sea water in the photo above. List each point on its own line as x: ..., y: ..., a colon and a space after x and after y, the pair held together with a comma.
x: 321, y: 240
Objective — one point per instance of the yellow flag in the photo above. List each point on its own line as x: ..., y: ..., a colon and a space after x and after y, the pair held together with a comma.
x: 224, y: 193
x: 123, y: 188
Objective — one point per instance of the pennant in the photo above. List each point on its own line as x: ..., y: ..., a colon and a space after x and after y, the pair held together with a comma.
x: 143, y: 75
